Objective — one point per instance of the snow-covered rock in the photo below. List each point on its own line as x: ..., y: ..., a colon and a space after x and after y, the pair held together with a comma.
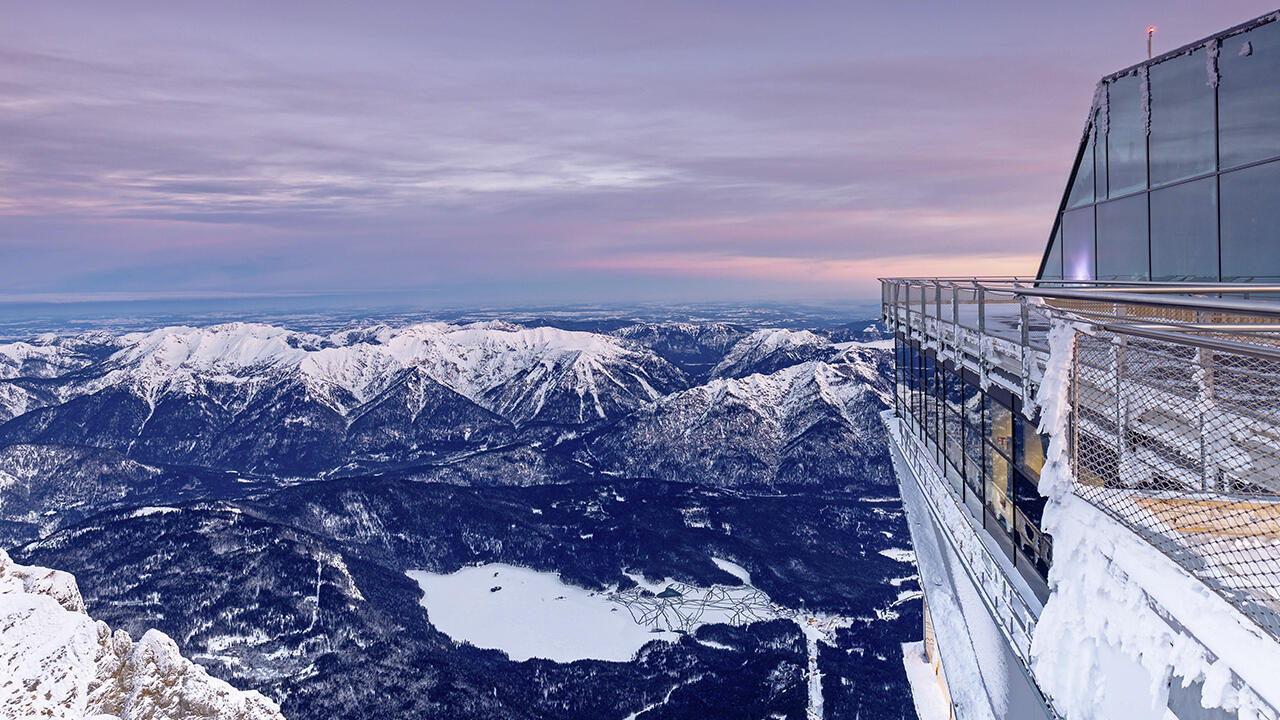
x: 57, y: 662
x: 766, y: 351
x: 805, y: 424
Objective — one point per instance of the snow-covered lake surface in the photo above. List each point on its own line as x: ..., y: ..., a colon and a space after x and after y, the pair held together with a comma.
x: 533, y: 614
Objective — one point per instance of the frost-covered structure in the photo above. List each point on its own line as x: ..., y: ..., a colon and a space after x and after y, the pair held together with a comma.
x: 1175, y: 177
x: 1090, y: 458
x: 57, y: 662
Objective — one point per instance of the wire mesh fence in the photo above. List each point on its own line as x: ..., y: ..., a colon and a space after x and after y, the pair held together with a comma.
x: 1175, y: 423
x: 1181, y: 443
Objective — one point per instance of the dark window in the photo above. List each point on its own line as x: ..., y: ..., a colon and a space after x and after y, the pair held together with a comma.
x: 1250, y: 218
x: 1184, y: 231
x: 973, y: 445
x: 1033, y: 544
x: 955, y: 393
x: 1126, y: 136
x: 973, y: 470
x: 973, y: 406
x: 1077, y: 244
x: 1122, y: 239
x: 931, y: 395
x: 955, y: 437
x: 1182, y: 141
x: 1248, y: 96
x: 1082, y: 189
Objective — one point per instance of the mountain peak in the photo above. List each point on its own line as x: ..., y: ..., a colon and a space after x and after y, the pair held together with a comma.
x: 56, y: 661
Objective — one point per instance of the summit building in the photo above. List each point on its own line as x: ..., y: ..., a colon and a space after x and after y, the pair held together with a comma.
x: 1090, y: 457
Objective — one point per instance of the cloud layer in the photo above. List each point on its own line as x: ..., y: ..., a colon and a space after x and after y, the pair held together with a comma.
x: 544, y: 152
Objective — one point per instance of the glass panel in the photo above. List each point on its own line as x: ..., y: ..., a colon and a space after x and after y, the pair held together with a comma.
x: 1029, y: 447
x: 1126, y: 136
x: 1184, y: 231
x: 1248, y: 96
x: 1031, y: 540
x: 973, y: 471
x: 1082, y: 189
x: 913, y: 381
x: 1122, y: 239
x: 955, y: 393
x: 973, y: 407
x: 1099, y: 164
x: 954, y: 448
x: 1000, y: 426
x: 930, y: 398
x: 1250, y: 217
x: 1077, y: 244
x: 1053, y: 261
x: 999, y: 499
x: 900, y: 368
x: 1182, y: 141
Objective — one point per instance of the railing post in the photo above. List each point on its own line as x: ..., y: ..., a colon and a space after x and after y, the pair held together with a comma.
x: 1073, y: 391
x: 893, y: 292
x: 924, y: 311
x: 1121, y: 345
x: 955, y: 325
x: 982, y: 311
x: 1024, y: 336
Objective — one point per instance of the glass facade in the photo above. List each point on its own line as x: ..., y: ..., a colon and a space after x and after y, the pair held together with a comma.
x: 991, y: 453
x: 1178, y: 172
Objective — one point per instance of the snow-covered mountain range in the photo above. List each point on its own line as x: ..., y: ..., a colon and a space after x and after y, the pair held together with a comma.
x: 267, y: 401
x: 258, y: 493
x: 259, y: 398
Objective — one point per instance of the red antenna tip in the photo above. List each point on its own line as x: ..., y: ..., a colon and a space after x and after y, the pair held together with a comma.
x: 1151, y: 30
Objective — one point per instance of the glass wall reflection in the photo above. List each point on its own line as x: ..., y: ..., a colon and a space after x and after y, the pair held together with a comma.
x: 1178, y: 178
x: 1182, y: 139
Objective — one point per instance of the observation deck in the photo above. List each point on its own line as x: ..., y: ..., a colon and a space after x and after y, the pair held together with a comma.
x: 1161, y: 408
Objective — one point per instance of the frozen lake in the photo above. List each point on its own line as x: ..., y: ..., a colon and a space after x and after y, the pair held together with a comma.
x: 532, y: 614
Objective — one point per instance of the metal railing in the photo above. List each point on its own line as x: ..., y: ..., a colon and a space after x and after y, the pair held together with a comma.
x: 1174, y: 426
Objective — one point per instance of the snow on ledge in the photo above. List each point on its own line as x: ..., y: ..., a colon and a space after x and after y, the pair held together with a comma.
x: 927, y: 695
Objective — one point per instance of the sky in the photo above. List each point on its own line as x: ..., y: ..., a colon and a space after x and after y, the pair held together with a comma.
x: 545, y: 152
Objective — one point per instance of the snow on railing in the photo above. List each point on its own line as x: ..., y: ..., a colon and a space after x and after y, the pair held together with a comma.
x: 1174, y: 419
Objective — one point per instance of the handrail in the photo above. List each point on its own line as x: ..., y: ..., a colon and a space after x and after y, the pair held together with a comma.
x: 1172, y: 285
x: 1261, y: 352
x: 1244, y: 307
x: 1152, y: 296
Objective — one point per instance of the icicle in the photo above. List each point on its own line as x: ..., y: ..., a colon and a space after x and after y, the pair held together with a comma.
x: 1145, y: 90
x: 1211, y: 61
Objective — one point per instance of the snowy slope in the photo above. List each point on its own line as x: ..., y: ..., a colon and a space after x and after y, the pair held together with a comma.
x: 766, y: 351
x: 808, y: 423
x: 57, y: 662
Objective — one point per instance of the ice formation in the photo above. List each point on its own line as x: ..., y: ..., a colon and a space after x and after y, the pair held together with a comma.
x: 1124, y: 621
